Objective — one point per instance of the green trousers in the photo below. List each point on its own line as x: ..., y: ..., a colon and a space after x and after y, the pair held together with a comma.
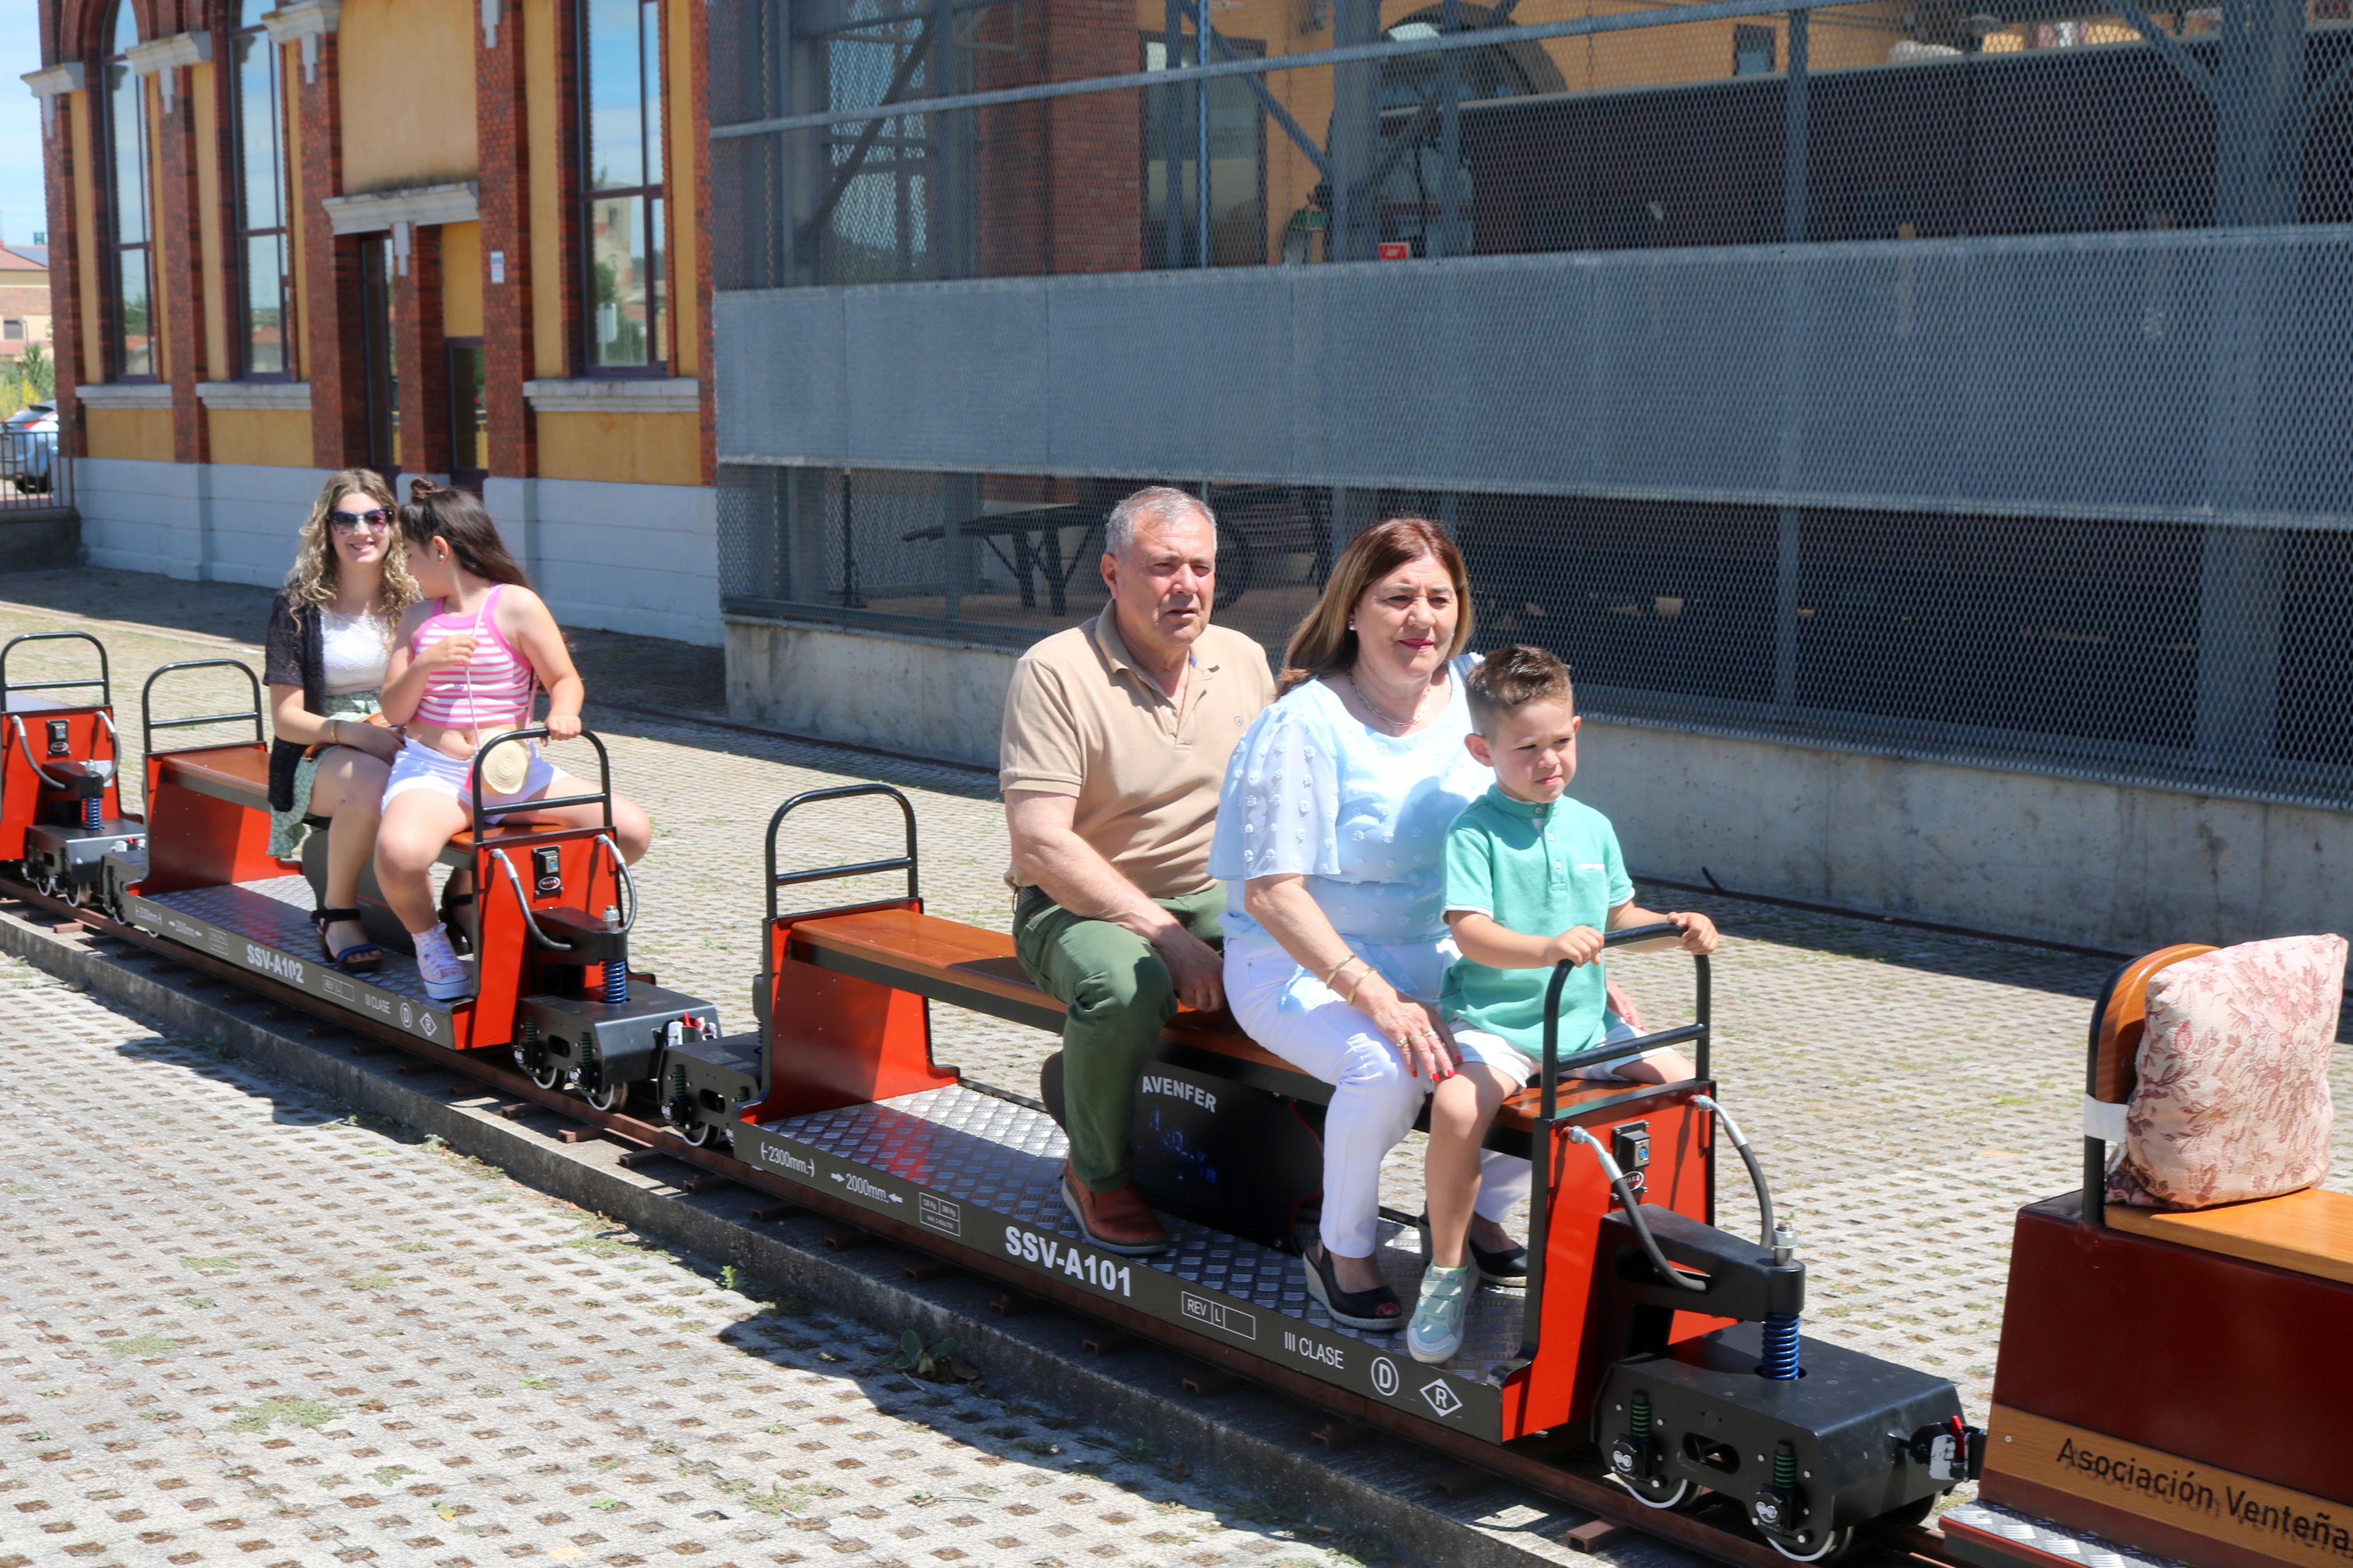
x: 1118, y: 993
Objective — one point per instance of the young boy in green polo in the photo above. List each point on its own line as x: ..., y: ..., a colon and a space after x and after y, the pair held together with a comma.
x: 1531, y: 879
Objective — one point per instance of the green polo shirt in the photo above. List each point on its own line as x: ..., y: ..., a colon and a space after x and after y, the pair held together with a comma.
x: 1538, y: 870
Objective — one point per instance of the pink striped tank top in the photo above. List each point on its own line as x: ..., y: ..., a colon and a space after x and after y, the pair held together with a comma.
x: 500, y: 679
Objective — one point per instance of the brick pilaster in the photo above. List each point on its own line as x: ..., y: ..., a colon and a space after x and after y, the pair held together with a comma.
x: 336, y: 362
x: 179, y: 265
x: 59, y: 157
x: 1061, y: 182
x: 424, y: 361
x: 502, y: 136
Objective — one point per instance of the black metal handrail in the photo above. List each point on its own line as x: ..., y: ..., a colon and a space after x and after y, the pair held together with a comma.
x: 149, y: 723
x: 906, y: 862
x: 1549, y: 1113
x: 603, y: 795
x: 105, y: 682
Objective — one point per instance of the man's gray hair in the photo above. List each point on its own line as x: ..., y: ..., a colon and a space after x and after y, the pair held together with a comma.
x: 1161, y: 503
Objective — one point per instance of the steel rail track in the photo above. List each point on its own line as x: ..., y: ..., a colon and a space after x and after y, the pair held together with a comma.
x: 1550, y: 1466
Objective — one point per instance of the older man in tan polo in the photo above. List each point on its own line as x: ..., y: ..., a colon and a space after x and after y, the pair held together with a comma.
x: 1116, y: 737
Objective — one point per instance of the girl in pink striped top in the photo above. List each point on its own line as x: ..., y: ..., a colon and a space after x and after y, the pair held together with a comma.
x: 471, y: 658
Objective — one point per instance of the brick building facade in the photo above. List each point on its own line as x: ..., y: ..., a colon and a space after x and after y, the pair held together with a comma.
x: 366, y: 241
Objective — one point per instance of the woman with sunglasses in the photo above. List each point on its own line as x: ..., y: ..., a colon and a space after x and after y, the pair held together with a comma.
x: 331, y: 636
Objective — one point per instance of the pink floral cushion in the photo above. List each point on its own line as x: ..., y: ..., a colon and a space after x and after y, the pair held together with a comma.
x: 2232, y: 1097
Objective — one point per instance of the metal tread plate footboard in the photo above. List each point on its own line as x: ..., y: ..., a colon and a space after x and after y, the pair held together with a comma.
x: 983, y: 1173
x: 265, y: 926
x: 1997, y: 1536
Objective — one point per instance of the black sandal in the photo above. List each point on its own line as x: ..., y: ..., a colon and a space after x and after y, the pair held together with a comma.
x: 360, y: 958
x: 461, y: 936
x: 1506, y: 1270
x: 1351, y: 1309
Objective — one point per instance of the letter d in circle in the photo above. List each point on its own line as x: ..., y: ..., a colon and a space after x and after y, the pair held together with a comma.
x: 1385, y: 1376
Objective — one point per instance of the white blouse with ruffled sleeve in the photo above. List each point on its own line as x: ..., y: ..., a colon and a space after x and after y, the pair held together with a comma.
x: 1311, y: 792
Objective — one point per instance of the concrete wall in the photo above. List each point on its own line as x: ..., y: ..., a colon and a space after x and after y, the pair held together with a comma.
x: 944, y: 699
x: 2019, y: 853
x: 2104, y: 865
x: 214, y: 522
x: 621, y: 558
x: 624, y: 558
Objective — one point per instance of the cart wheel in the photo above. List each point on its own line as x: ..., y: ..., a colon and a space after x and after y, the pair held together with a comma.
x: 547, y: 1075
x: 699, y: 1135
x: 1665, y: 1500
x: 1828, y: 1548
x: 609, y: 1097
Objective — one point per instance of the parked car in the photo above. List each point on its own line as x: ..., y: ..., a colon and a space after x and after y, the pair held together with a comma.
x: 28, y: 445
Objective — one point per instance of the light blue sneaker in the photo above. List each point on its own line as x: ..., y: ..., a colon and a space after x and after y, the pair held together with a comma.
x: 1436, y: 1332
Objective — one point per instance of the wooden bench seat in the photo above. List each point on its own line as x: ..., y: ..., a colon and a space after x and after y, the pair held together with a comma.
x: 240, y: 775
x: 967, y: 967
x: 2310, y: 1232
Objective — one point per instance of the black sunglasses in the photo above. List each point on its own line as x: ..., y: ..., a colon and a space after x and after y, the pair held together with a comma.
x: 345, y: 522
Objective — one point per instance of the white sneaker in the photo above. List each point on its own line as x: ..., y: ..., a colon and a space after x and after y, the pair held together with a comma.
x: 444, y: 973
x: 1436, y: 1332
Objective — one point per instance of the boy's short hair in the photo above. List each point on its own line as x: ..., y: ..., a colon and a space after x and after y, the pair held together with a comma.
x: 1509, y: 679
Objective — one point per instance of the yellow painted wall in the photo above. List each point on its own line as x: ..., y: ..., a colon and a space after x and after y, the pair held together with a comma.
x: 408, y: 92
x: 219, y: 362
x: 462, y: 280
x: 274, y: 438
x: 623, y: 449
x: 86, y: 231
x: 547, y: 150
x: 678, y: 125
x: 141, y: 433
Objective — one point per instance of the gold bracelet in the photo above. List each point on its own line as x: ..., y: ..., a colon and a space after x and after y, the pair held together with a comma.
x: 1332, y: 975
x: 335, y: 731
x: 1351, y: 998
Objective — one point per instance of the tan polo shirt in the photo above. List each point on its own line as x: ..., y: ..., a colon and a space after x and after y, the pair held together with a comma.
x: 1082, y: 720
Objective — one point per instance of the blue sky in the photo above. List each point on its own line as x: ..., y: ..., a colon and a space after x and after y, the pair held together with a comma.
x: 23, y: 208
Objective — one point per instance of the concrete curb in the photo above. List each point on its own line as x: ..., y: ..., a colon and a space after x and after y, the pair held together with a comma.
x: 1246, y: 1437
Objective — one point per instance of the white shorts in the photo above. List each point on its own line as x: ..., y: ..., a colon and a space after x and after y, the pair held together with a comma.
x: 1509, y: 1059
x: 419, y: 768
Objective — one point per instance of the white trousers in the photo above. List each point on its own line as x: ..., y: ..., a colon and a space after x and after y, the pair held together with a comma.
x: 1374, y: 1098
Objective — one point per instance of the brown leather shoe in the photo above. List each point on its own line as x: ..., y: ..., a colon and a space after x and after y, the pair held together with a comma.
x: 1116, y: 1221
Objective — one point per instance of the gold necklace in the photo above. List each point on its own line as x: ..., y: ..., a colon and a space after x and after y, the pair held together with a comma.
x: 1386, y: 717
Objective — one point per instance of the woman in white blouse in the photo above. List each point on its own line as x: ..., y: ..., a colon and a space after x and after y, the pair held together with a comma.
x: 1333, y: 820
x: 329, y: 640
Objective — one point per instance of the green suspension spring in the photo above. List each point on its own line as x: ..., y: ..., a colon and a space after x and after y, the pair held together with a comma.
x: 1639, y: 1418
x: 1785, y: 1465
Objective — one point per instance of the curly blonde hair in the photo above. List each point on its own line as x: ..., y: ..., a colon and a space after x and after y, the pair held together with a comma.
x: 313, y: 580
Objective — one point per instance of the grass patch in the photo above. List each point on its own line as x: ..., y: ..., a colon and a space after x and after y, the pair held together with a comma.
x: 778, y: 1498
x: 370, y: 1281
x: 211, y: 1265
x: 308, y: 1413
x: 604, y: 1241
x: 145, y: 1345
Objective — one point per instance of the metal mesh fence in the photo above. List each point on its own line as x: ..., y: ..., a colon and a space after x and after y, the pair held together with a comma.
x: 1972, y: 381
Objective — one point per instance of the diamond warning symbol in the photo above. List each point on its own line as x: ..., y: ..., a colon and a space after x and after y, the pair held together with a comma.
x: 1442, y: 1398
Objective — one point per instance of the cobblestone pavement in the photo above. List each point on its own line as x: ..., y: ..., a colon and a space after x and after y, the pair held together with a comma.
x: 1906, y: 1090
x: 239, y: 1326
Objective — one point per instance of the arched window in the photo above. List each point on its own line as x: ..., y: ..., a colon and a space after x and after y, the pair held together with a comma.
x: 130, y: 241
x: 265, y: 280
x: 621, y: 147
x: 1415, y: 194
